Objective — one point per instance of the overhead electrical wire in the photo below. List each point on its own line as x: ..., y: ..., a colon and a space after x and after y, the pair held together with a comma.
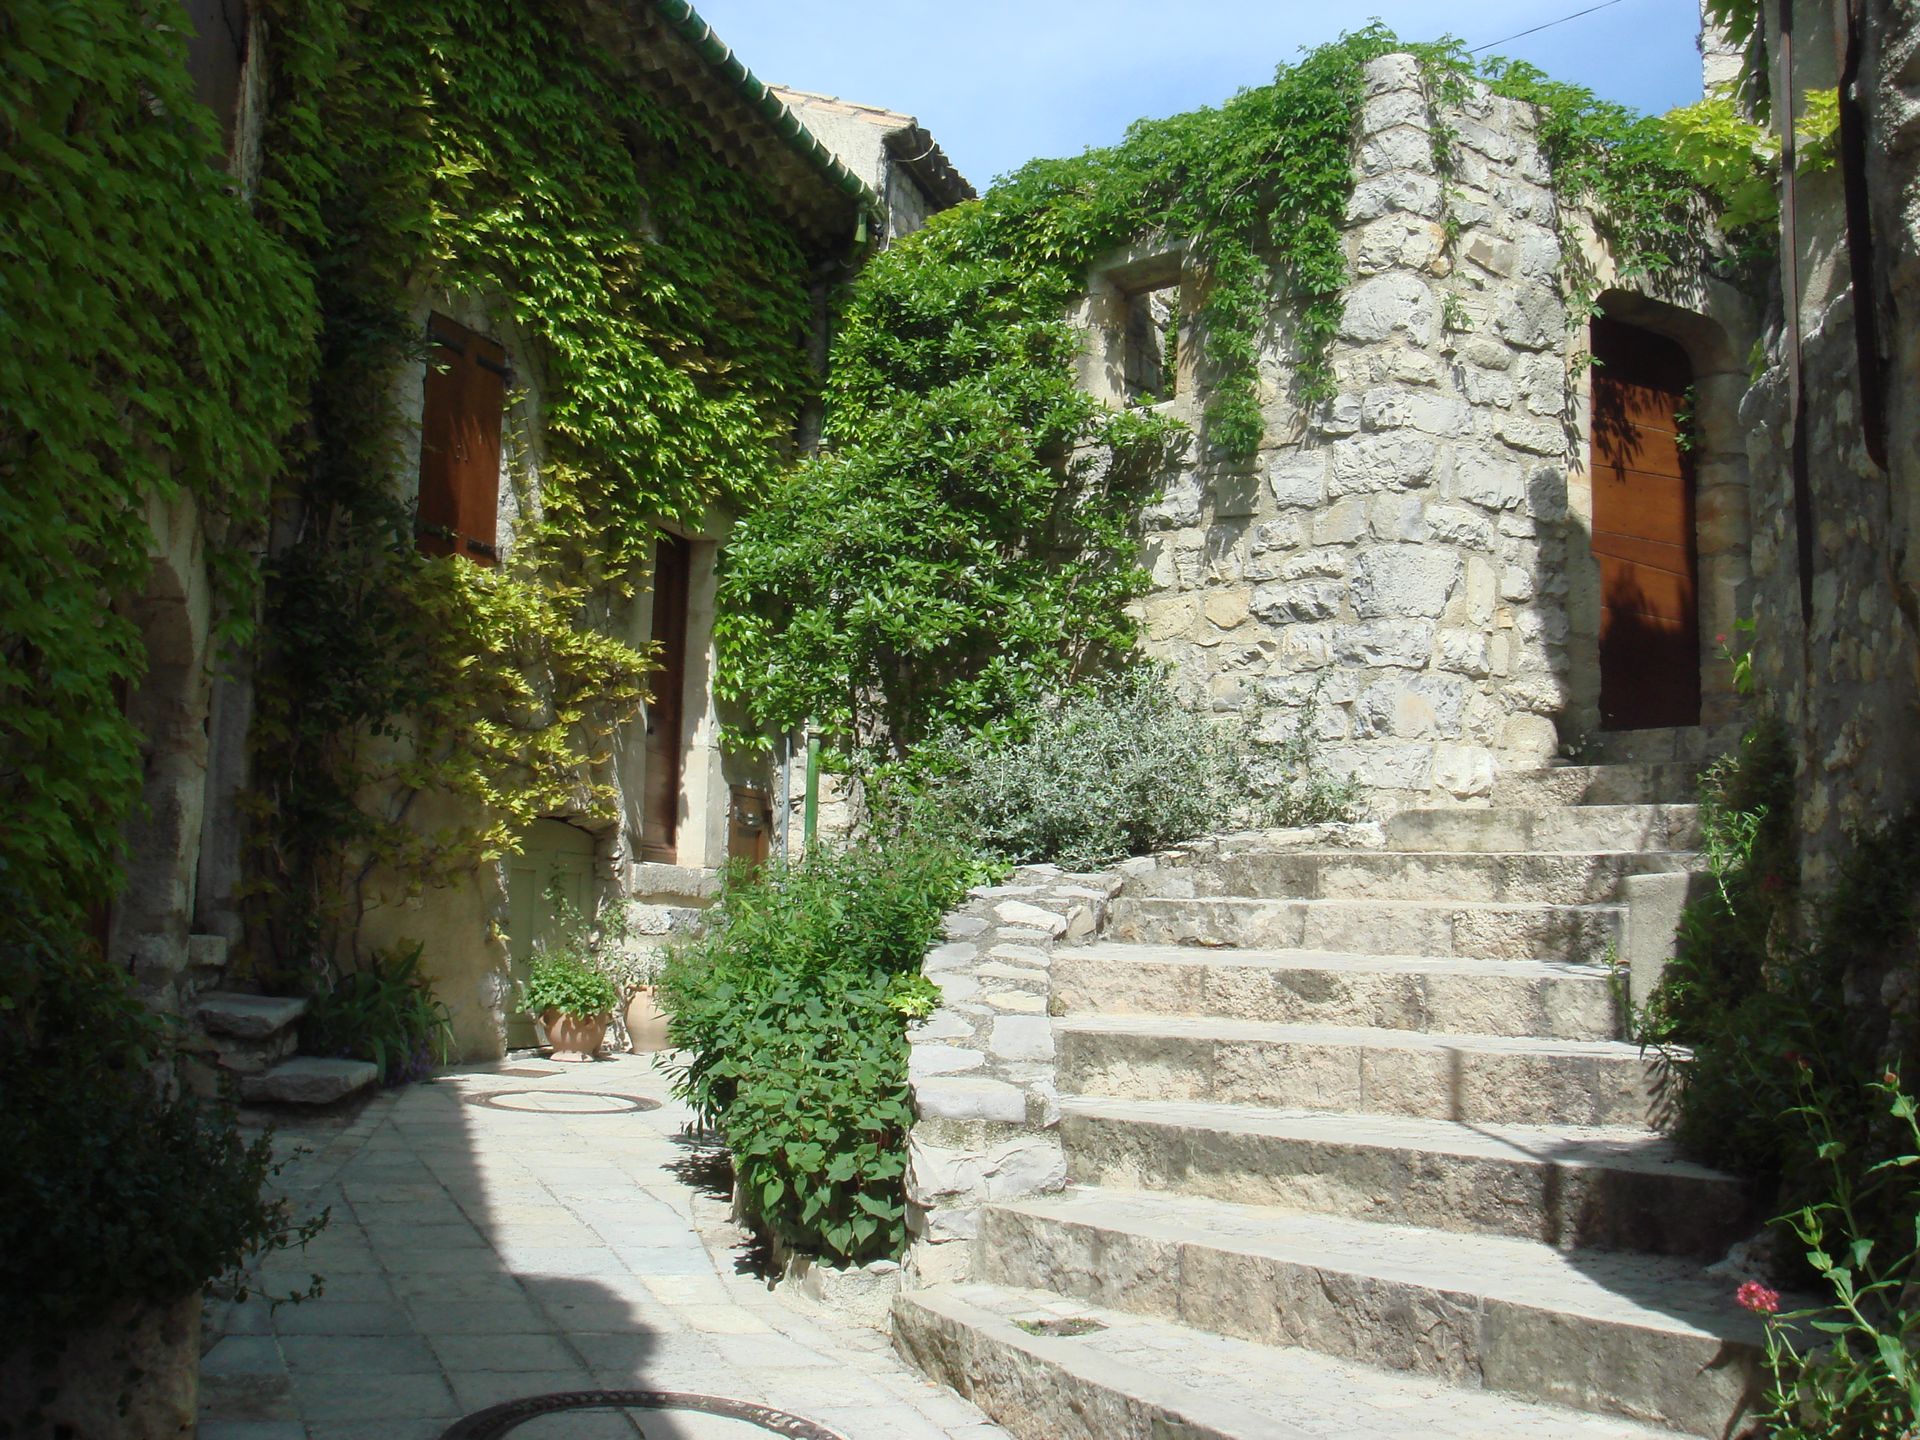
x: 1605, y: 4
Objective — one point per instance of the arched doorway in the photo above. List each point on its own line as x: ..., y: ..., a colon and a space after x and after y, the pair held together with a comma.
x: 1643, y: 528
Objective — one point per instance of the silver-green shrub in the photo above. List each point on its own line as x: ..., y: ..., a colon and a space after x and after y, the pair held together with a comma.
x: 1124, y: 770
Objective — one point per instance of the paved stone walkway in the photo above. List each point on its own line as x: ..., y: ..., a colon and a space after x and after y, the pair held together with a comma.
x: 541, y: 1241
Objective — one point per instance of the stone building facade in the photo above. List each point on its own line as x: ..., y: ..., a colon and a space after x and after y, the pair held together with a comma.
x: 1408, y: 569
x: 685, y: 806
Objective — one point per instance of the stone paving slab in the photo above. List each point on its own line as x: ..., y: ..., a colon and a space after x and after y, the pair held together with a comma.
x: 478, y: 1254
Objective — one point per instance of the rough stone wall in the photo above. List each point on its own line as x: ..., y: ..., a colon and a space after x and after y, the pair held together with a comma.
x: 1400, y: 551
x: 1846, y: 678
x: 981, y: 1066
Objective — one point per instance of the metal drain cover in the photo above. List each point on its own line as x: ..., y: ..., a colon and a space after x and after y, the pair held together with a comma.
x: 665, y: 1415
x: 562, y: 1102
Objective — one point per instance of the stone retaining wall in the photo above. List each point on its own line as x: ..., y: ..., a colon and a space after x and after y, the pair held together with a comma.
x: 981, y: 1066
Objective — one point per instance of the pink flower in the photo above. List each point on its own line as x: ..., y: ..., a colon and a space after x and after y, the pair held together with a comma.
x: 1756, y: 1297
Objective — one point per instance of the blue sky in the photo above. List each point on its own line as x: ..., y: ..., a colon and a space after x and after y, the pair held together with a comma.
x: 998, y: 82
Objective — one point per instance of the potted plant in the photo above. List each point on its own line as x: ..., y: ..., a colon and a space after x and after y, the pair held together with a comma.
x: 573, y: 1000
x: 636, y: 973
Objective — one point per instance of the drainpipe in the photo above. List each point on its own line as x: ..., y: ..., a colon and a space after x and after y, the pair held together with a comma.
x: 810, y: 814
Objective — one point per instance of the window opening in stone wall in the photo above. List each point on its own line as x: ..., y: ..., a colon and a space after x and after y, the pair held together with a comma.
x: 465, y: 399
x: 1151, y: 364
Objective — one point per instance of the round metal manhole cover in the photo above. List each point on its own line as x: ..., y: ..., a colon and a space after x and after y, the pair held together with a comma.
x: 655, y: 1414
x: 562, y: 1102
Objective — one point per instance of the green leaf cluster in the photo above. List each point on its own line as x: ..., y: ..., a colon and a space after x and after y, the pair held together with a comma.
x: 119, y: 1185
x: 792, y: 1011
x: 385, y: 1012
x: 157, y: 336
x: 1850, y: 1364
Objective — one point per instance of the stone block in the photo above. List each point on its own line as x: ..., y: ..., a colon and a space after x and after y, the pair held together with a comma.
x: 1379, y: 308
x: 1531, y: 315
x: 1423, y: 707
x: 1340, y: 524
x: 1019, y: 912
x: 309, y: 1081
x: 1402, y: 581
x: 943, y: 1059
x: 1404, y: 643
x: 1299, y: 477
x: 1396, y: 460
x: 1311, y: 600
x: 1022, y: 1037
x: 1492, y: 481
x: 968, y: 1098
x: 1379, y: 195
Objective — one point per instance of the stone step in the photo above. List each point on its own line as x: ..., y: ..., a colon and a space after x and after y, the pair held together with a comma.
x: 1552, y: 876
x: 247, y: 1017
x: 1110, y: 1375
x: 1473, y: 1079
x: 1670, y: 782
x: 1695, y: 743
x: 1493, y: 931
x: 1647, y: 1338
x: 251, y: 1057
x: 1487, y: 997
x: 1566, y: 1186
x: 1551, y: 827
x: 306, y: 1080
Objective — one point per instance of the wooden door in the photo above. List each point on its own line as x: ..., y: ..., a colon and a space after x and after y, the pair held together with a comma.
x: 1643, y: 533
x: 660, y: 789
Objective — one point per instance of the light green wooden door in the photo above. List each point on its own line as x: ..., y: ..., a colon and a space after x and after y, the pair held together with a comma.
x: 555, y: 858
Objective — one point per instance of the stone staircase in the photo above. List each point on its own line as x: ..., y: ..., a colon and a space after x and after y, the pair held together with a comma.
x: 1354, y: 1147
x: 255, y: 1039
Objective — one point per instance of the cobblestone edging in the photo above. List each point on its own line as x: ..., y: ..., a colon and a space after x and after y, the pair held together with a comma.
x: 981, y: 1066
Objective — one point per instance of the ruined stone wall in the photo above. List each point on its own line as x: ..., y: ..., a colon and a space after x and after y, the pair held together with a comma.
x: 1400, y: 551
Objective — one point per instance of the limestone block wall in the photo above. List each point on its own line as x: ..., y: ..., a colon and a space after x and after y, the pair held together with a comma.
x: 981, y: 1066
x: 1396, y: 559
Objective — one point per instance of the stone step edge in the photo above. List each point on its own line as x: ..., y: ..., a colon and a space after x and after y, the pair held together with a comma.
x: 1639, y: 1152
x: 1543, y: 907
x: 1125, y: 952
x: 1452, y: 1264
x: 1158, y: 1405
x: 1367, y: 1037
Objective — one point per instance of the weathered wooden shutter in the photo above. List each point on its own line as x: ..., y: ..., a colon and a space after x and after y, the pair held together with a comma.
x: 460, y: 443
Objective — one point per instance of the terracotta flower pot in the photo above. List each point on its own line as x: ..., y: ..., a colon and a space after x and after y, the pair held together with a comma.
x: 574, y: 1037
x: 646, y: 1021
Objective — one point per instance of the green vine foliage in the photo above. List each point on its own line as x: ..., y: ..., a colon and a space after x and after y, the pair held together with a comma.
x: 495, y: 153
x: 968, y: 544
x: 155, y: 338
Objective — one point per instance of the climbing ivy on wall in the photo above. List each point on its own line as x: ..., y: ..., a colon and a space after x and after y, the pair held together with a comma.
x: 967, y: 545
x: 491, y: 152
x: 156, y: 337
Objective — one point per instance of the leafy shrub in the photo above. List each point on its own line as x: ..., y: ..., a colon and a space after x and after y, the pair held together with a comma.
x: 1863, y: 1378
x: 1122, y: 770
x: 792, y: 1009
x: 119, y: 1184
x: 386, y: 1013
